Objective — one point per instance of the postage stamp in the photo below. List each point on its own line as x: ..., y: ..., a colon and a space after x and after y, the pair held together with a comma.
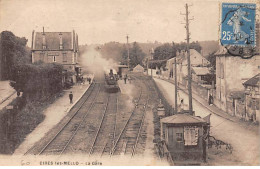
x: 238, y: 24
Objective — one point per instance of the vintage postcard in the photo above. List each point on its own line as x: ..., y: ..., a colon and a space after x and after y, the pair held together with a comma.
x: 129, y: 82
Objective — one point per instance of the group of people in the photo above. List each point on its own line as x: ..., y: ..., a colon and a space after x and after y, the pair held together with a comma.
x: 71, y: 94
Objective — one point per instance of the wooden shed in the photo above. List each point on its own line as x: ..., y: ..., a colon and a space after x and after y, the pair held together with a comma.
x: 184, y: 135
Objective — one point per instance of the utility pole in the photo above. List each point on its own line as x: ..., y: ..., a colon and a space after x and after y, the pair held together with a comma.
x: 128, y: 59
x: 176, y: 84
x: 188, y: 56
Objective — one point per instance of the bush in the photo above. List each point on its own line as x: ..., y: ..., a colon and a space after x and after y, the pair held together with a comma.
x: 37, y: 80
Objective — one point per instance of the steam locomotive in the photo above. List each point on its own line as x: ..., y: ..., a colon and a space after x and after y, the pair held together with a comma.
x: 111, y: 85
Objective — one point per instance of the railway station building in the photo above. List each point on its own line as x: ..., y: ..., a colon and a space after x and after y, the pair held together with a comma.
x: 56, y: 47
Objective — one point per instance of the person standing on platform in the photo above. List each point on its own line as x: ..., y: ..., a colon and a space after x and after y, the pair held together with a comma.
x: 125, y: 77
x: 71, y: 97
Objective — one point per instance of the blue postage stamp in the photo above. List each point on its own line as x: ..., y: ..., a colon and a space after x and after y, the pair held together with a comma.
x: 238, y: 24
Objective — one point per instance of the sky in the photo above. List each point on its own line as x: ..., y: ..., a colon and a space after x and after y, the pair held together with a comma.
x: 101, y: 21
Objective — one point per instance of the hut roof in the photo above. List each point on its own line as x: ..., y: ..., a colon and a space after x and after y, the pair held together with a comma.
x: 182, y: 119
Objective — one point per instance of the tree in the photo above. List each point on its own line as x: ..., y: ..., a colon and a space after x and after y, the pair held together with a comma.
x: 112, y: 50
x: 193, y: 45
x: 165, y: 51
x: 136, y: 55
x: 37, y: 80
x: 124, y: 56
x: 212, y: 59
x: 13, y: 52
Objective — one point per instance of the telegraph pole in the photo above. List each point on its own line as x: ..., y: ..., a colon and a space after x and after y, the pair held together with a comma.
x: 128, y: 59
x: 176, y: 84
x: 188, y: 56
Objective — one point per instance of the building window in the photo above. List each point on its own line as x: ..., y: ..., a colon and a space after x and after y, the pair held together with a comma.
x: 179, y: 137
x: 64, y: 57
x: 54, y: 58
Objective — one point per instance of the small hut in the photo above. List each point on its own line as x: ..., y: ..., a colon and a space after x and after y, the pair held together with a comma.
x: 184, y: 135
x: 138, y: 69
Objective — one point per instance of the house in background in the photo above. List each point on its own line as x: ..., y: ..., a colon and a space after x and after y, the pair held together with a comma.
x: 202, y: 75
x: 231, y: 73
x: 56, y: 47
x: 197, y: 61
x: 138, y: 68
x: 252, y: 98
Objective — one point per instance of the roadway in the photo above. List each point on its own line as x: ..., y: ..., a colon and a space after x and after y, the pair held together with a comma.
x: 244, y: 141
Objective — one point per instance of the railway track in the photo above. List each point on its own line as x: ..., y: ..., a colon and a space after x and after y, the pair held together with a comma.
x: 105, y: 134
x: 60, y: 141
x: 93, y: 127
x: 131, y: 132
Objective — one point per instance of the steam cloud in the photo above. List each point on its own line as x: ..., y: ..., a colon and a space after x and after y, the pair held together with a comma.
x: 93, y: 62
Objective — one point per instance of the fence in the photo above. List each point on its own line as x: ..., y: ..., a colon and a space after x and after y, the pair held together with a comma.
x: 196, y: 88
x: 168, y: 108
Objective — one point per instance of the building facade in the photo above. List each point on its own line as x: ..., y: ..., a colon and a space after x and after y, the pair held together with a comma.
x: 231, y: 73
x: 197, y: 61
x: 252, y: 98
x: 55, y: 47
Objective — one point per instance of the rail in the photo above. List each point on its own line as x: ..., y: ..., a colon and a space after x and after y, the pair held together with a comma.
x: 64, y: 148
x: 122, y: 131
x: 140, y: 129
x: 100, y: 125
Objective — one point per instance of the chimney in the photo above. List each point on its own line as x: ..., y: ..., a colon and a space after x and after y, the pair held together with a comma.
x: 61, y: 43
x: 43, y: 39
x: 32, y: 39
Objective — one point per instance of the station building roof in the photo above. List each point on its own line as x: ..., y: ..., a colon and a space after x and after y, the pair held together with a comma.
x: 53, y: 40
